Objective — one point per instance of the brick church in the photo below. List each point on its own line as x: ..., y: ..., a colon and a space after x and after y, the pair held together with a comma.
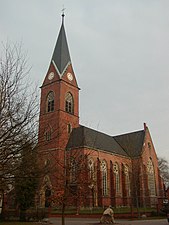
x: 83, y: 166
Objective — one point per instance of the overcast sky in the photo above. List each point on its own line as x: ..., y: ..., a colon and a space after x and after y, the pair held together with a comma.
x: 120, y: 55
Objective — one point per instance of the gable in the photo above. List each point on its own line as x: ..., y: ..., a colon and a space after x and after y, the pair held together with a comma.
x: 132, y: 143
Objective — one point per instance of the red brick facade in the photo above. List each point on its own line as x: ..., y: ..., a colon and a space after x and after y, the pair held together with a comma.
x: 121, y: 174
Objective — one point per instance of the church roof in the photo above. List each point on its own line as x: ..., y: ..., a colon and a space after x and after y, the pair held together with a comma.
x: 89, y: 138
x: 126, y: 145
x: 132, y: 142
x: 61, y: 56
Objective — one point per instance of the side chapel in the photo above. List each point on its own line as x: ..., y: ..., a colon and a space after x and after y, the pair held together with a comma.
x: 98, y: 169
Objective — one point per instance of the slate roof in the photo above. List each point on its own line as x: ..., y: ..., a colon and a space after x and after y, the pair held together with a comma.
x: 61, y: 56
x: 86, y: 137
x: 125, y: 145
x: 132, y: 142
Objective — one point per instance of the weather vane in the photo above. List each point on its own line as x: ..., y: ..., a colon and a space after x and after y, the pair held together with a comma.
x: 63, y: 10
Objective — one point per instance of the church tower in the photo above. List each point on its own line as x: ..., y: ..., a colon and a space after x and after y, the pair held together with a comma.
x: 59, y: 110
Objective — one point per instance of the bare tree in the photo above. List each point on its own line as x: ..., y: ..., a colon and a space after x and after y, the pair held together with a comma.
x: 18, y: 111
x: 71, y: 178
x: 66, y: 180
x: 163, y: 165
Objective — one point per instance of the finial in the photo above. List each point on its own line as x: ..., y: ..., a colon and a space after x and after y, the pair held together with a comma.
x: 63, y: 13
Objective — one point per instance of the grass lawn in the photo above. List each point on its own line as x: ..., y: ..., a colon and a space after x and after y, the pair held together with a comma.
x: 100, y: 210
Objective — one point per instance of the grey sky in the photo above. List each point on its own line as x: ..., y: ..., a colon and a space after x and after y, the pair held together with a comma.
x: 120, y: 54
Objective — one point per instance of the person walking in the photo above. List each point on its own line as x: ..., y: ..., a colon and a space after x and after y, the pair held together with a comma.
x: 109, y: 211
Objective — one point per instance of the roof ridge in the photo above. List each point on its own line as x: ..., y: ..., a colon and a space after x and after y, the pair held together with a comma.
x: 133, y: 132
x: 97, y: 131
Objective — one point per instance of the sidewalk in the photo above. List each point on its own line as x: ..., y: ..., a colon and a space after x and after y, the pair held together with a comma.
x: 90, y: 221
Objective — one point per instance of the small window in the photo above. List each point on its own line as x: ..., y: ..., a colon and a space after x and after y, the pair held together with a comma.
x: 69, y: 128
x: 149, y: 145
x: 48, y: 135
x: 50, y: 102
x: 69, y: 105
x: 47, y: 163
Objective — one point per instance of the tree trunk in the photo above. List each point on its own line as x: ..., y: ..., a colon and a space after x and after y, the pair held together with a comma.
x: 63, y: 213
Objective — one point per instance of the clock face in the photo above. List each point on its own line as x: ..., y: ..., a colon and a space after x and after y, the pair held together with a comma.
x: 51, y: 76
x: 70, y: 76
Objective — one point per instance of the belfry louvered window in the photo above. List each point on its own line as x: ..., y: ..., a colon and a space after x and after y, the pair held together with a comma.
x: 50, y: 102
x: 69, y: 103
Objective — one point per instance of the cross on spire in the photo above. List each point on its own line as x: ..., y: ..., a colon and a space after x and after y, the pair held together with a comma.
x: 63, y: 13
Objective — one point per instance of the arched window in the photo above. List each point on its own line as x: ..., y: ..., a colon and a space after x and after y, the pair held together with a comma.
x: 117, y: 177
x: 50, y: 102
x: 127, y: 180
x: 45, y: 192
x: 69, y: 103
x: 104, y: 177
x: 91, y: 169
x: 48, y: 133
x: 47, y: 163
x: 151, y: 178
x: 73, y: 171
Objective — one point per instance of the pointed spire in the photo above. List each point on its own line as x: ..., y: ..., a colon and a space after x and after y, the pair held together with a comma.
x: 61, y: 56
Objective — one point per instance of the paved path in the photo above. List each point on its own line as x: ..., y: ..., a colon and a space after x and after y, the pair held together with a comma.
x: 88, y: 221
